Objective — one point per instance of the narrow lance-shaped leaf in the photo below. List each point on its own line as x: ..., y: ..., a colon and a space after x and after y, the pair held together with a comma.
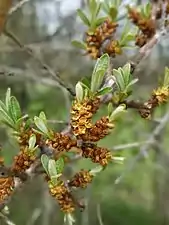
x: 79, y: 44
x: 83, y: 17
x: 99, y: 72
x: 14, y: 109
x: 3, y: 107
x: 92, y: 6
x: 98, y: 9
x: 5, y: 118
x: 59, y: 165
x: 113, y: 12
x: 7, y: 99
x: 125, y: 30
x: 100, y: 20
x: 119, y: 80
x: 110, y: 108
x: 32, y: 141
x: 24, y: 117
x: 127, y: 74
x: 104, y: 91
x: 52, y: 170
x: 131, y: 83
x: 41, y: 125
x: 127, y: 38
x: 105, y: 7
x: 117, y: 112
x: 45, y: 162
x: 123, y: 75
x: 147, y: 10
x: 43, y: 117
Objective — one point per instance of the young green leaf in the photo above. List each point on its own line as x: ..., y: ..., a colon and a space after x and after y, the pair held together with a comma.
x: 99, y: 71
x: 127, y: 38
x: 127, y: 73
x: 32, y: 141
x: 119, y: 79
x: 105, y: 7
x: 79, y: 92
x: 117, y: 3
x: 14, y: 109
x: 41, y: 125
x: 7, y: 99
x: 45, y: 162
x: 147, y: 10
x: 79, y: 44
x: 92, y: 6
x: 3, y: 107
x: 113, y: 12
x: 52, y: 170
x: 110, y: 108
x: 86, y: 82
x: 43, y: 117
x: 104, y: 91
x: 98, y: 9
x: 117, y: 112
x: 125, y: 30
x: 100, y: 20
x: 83, y: 17
x: 18, y: 122
x: 131, y: 84
x: 59, y: 165
x: 6, y: 119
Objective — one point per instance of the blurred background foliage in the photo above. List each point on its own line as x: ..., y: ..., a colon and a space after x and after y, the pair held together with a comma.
x: 142, y: 195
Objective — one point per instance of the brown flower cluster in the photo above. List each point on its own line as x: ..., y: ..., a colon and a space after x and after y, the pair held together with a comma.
x: 60, y: 143
x: 62, y: 194
x: 25, y: 157
x: 95, y: 40
x: 98, y: 131
x: 6, y: 188
x: 147, y: 26
x: 23, y: 160
x: 81, y: 115
x: 81, y: 179
x: 159, y: 96
x: 97, y: 154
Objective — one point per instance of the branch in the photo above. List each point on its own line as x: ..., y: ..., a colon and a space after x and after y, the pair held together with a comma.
x: 144, y: 149
x: 43, y: 65
x: 17, y: 6
x: 145, y: 51
x: 129, y: 145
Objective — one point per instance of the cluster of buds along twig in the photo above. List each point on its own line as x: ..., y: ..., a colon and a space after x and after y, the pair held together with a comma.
x: 159, y: 96
x: 32, y: 135
x: 83, y: 138
x: 147, y: 18
x: 101, y: 36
